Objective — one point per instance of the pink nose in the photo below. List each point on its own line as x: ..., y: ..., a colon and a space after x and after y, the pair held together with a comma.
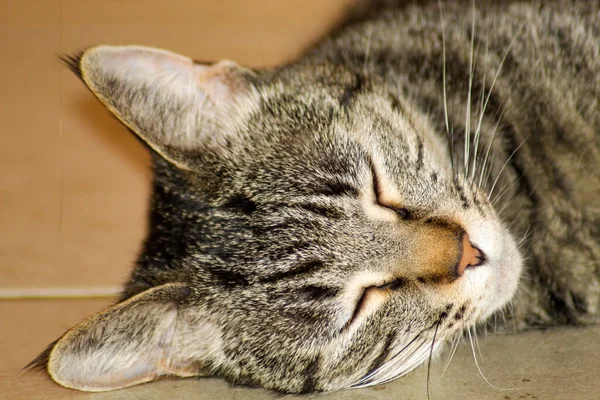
x: 471, y: 255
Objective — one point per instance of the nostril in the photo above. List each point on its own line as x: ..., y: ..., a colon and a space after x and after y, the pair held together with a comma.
x: 481, y: 258
x: 471, y: 256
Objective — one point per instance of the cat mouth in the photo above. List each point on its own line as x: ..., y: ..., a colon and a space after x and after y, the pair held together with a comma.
x: 494, y: 287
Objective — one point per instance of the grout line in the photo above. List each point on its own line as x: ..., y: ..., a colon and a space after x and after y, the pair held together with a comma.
x: 59, y: 293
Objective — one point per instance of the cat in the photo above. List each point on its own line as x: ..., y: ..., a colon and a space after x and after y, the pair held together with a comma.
x: 330, y: 223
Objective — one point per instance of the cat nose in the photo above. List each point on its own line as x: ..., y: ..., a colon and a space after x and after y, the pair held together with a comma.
x: 471, y: 256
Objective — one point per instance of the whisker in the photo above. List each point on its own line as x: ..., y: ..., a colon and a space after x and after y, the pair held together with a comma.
x: 452, y: 352
x: 481, y: 103
x: 389, y: 373
x: 488, y: 174
x: 511, y: 308
x: 490, y: 94
x: 495, y: 323
x: 416, y: 359
x: 444, y: 84
x: 405, y: 360
x: 526, y: 235
x: 479, y: 368
x: 496, y: 75
x: 429, y: 360
x: 468, y: 116
x: 482, y: 108
x: 505, y: 164
x: 477, y: 341
x: 366, y: 379
x: 503, y: 314
x: 505, y: 189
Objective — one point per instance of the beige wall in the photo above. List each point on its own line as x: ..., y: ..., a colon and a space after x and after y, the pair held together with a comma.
x: 73, y: 182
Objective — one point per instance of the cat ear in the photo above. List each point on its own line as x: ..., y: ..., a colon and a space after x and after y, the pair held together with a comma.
x: 172, y: 103
x: 135, y: 341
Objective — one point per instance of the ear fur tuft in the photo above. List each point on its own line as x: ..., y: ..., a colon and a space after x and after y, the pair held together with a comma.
x: 73, y: 62
x: 40, y: 363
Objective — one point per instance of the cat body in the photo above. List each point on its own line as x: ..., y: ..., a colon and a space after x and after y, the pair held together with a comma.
x: 328, y: 224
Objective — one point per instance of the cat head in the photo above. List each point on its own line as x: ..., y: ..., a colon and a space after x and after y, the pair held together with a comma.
x: 308, y: 230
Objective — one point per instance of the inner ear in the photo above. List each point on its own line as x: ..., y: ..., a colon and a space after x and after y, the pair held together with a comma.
x: 172, y: 103
x: 149, y: 335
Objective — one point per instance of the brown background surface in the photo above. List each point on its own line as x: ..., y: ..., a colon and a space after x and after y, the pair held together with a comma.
x: 74, y: 184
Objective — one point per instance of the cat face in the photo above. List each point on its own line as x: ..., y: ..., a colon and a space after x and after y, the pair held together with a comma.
x: 308, y: 231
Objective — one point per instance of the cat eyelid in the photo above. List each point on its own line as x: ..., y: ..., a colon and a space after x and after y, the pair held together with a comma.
x: 372, y: 298
x: 402, y: 212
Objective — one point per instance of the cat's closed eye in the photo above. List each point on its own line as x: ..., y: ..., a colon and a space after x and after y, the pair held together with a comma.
x: 401, y: 212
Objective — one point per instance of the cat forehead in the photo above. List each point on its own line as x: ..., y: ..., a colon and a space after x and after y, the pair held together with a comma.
x: 327, y: 125
x: 341, y: 114
x: 346, y: 105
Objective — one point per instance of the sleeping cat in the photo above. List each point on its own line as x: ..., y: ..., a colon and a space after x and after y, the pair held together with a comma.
x: 330, y: 223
